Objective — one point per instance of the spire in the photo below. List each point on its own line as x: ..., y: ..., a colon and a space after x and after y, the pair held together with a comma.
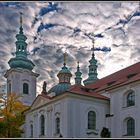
x: 92, y: 75
x: 21, y: 45
x: 78, y: 75
x: 21, y: 59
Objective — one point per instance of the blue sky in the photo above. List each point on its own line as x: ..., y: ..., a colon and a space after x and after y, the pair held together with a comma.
x: 55, y: 27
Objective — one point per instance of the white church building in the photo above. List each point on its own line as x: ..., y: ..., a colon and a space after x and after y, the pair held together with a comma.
x: 107, y: 107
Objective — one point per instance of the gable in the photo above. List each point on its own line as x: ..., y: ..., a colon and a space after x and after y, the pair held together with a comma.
x: 39, y: 101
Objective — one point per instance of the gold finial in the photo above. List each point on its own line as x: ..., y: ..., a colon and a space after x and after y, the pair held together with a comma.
x: 21, y: 18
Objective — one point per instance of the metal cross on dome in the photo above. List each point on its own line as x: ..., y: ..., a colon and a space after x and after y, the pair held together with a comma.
x: 65, y: 54
x: 93, y: 41
x: 21, y: 18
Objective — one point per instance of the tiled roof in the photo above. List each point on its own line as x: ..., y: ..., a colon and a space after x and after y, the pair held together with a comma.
x: 80, y: 90
x: 131, y: 80
x: 126, y: 75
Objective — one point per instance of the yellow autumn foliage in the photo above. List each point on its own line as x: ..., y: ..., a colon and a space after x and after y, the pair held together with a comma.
x: 13, y: 117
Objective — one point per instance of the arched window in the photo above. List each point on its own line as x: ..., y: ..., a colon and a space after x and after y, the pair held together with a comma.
x: 130, y: 127
x: 42, y: 125
x: 31, y: 128
x: 57, y: 122
x: 91, y: 120
x: 131, y: 99
x: 25, y: 88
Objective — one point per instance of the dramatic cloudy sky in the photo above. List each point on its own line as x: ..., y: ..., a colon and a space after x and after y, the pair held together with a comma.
x: 52, y: 28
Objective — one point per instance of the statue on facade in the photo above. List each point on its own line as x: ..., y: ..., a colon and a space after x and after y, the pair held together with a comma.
x: 44, y: 87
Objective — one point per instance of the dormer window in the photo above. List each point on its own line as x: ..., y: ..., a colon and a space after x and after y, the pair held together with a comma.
x: 131, y: 75
x: 110, y: 83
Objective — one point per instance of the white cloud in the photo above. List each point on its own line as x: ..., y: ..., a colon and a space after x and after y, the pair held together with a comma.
x: 89, y: 17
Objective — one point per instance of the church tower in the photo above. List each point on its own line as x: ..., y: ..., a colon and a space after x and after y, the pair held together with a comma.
x: 92, y: 75
x: 20, y: 77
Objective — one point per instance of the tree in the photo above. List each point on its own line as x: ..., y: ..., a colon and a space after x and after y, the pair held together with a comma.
x: 11, y: 110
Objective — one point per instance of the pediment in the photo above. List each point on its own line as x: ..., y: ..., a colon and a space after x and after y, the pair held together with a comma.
x: 39, y: 101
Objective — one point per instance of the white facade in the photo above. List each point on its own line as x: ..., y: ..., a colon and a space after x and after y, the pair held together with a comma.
x: 73, y: 113
x: 120, y: 111
x: 15, y: 80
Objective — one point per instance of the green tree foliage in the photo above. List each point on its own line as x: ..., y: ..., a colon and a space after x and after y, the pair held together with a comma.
x: 11, y: 112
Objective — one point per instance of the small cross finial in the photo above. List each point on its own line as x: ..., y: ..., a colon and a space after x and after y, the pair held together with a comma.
x: 65, y: 54
x: 78, y: 63
x: 21, y: 18
x: 93, y: 44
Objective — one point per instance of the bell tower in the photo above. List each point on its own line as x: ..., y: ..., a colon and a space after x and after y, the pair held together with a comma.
x: 92, y: 75
x: 20, y: 77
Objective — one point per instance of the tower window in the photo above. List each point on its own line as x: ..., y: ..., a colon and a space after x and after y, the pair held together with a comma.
x: 9, y: 88
x: 25, y: 88
x: 91, y: 120
x: 57, y: 121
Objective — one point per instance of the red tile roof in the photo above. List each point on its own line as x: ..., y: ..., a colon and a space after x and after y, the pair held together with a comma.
x: 126, y: 75
x: 131, y: 80
x: 80, y: 90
